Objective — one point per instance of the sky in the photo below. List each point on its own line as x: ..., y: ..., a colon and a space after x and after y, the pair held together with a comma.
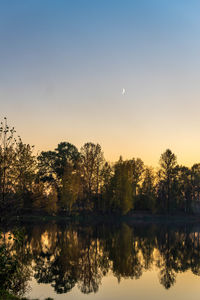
x: 63, y: 65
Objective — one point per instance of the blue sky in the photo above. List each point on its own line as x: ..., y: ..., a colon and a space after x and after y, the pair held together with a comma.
x: 63, y: 65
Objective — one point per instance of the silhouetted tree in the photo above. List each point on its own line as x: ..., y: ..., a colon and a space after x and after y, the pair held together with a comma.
x: 136, y: 169
x: 92, y: 164
x: 195, y: 182
x: 72, y: 189
x: 59, y: 168
x: 146, y: 199
x: 24, y: 171
x: 120, y: 190
x: 7, y: 158
x: 167, y: 177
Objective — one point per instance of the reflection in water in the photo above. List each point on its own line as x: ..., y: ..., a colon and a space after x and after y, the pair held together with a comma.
x: 65, y: 255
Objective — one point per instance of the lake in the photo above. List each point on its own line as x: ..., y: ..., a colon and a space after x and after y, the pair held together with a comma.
x: 110, y: 261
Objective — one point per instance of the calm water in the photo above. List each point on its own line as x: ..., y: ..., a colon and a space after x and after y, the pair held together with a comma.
x: 110, y: 262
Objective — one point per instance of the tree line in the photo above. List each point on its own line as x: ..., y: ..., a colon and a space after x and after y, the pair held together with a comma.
x: 71, y: 181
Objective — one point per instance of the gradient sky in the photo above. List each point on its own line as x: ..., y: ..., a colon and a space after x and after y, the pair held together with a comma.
x: 63, y: 65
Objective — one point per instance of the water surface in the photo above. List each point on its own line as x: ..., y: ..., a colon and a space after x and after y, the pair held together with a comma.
x: 113, y: 261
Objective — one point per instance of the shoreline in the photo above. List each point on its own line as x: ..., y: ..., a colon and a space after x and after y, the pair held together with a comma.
x: 91, y: 219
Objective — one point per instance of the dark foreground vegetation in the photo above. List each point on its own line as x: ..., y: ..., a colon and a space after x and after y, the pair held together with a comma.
x: 67, y: 181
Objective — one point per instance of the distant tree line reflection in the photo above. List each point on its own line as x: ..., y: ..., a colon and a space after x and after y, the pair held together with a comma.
x: 65, y: 256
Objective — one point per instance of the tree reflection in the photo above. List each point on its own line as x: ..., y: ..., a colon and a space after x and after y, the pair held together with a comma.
x: 66, y: 256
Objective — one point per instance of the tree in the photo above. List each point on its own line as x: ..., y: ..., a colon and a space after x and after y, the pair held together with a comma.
x: 46, y: 167
x: 92, y: 163
x: 136, y: 167
x: 45, y: 198
x: 106, y: 175
x: 147, y: 192
x: 52, y: 164
x: 7, y: 157
x: 24, y: 170
x: 71, y: 188
x: 184, y: 189
x: 66, y: 153
x: 56, y: 167
x: 195, y: 177
x: 120, y: 191
x: 167, y: 176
